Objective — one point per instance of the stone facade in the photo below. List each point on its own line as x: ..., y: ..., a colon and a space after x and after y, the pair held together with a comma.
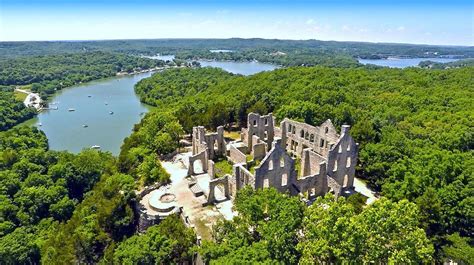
x: 276, y: 170
x: 298, y: 136
x: 259, y: 126
x: 328, y: 159
x: 213, y: 143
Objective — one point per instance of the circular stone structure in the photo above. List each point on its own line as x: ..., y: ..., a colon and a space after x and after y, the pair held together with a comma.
x: 167, y: 197
x: 162, y: 202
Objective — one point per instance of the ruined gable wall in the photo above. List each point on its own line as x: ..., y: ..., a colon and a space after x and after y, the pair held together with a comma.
x: 276, y: 170
x: 342, y: 159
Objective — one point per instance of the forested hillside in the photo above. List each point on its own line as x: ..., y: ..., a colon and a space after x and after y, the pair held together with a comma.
x: 58, y: 207
x: 201, y: 47
x: 12, y: 110
x: 40, y: 188
x: 49, y: 73
x: 414, y: 126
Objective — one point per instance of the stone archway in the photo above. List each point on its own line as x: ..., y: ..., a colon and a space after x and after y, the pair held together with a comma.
x: 198, y: 164
x: 197, y: 167
x: 222, y: 182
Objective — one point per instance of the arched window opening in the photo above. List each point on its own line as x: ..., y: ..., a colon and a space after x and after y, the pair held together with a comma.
x: 266, y: 183
x: 284, y: 179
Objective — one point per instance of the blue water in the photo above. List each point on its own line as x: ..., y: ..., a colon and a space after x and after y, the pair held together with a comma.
x: 64, y: 128
x: 223, y: 51
x: 403, y: 63
x: 243, y: 68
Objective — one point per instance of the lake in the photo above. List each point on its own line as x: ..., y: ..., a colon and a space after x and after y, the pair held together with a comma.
x: 243, y: 68
x: 65, y: 129
x: 403, y: 63
x: 93, y: 102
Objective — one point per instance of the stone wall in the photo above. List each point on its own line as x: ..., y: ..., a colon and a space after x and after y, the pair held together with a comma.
x: 211, y: 198
x: 310, y: 162
x: 213, y: 143
x: 259, y: 151
x: 342, y: 159
x: 314, y: 184
x: 202, y: 156
x: 276, y: 170
x: 211, y: 169
x: 298, y: 136
x: 236, y: 156
x: 242, y: 177
x: 261, y: 126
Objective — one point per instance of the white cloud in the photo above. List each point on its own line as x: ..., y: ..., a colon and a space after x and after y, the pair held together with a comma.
x: 310, y: 21
x: 401, y: 28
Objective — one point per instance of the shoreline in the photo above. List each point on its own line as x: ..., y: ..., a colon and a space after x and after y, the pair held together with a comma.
x: 32, y: 121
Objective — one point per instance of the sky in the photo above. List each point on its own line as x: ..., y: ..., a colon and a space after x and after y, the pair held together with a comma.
x: 448, y: 22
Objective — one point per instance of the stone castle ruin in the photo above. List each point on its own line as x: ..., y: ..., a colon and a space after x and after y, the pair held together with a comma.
x: 296, y: 158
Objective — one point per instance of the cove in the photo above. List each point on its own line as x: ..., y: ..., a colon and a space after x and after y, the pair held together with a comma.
x: 243, y: 68
x: 105, y: 112
x: 403, y: 63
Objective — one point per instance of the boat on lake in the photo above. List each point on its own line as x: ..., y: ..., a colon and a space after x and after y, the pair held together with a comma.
x: 111, y: 112
x: 85, y: 125
x: 71, y: 109
x: 96, y: 147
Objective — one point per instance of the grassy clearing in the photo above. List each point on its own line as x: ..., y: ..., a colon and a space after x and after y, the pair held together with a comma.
x: 20, y: 96
x: 223, y: 167
x: 234, y: 135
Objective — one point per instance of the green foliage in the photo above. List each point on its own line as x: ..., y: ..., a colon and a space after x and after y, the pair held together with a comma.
x: 384, y: 232
x: 459, y: 249
x: 265, y: 230
x: 168, y: 242
x: 222, y: 168
x: 455, y: 64
x: 414, y: 126
x: 295, y: 52
x: 12, y: 111
x: 158, y: 133
x: 178, y: 83
x: 49, y: 73
x: 105, y: 216
x: 39, y: 188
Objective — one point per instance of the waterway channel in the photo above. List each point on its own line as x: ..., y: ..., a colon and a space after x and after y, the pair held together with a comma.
x: 103, y: 112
